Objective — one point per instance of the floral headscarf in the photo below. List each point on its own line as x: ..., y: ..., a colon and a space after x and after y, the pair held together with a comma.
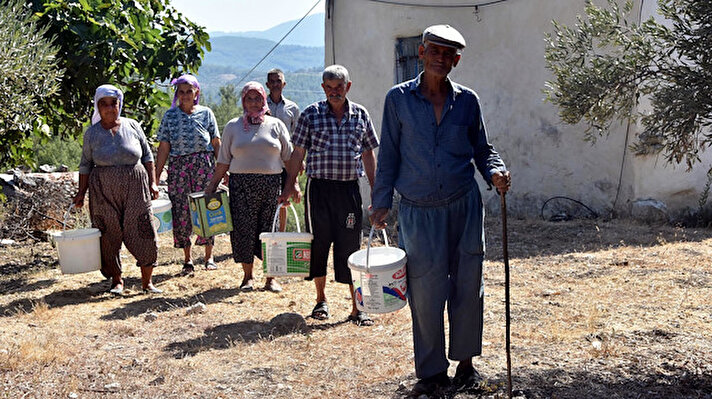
x: 187, y: 78
x: 254, y: 117
x: 102, y: 91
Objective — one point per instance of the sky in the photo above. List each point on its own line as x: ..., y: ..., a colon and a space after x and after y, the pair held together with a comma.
x: 244, y: 15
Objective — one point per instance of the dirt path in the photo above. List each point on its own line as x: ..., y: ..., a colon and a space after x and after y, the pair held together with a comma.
x: 599, y: 310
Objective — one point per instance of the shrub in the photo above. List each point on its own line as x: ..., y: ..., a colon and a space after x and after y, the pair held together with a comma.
x: 28, y: 77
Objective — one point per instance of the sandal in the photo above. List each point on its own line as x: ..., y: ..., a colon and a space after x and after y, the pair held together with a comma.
x: 361, y: 319
x: 273, y: 286
x: 188, y: 269
x: 247, y: 285
x: 211, y: 265
x: 116, y: 289
x: 320, y: 311
x: 151, y: 289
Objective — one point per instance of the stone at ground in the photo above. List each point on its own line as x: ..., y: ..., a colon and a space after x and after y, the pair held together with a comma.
x: 197, y: 308
x: 285, y: 323
x: 649, y: 210
x: 113, y: 387
x: 24, y: 179
x: 47, y: 168
x: 151, y: 316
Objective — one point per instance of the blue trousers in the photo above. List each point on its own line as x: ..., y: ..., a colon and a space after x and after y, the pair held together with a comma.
x: 445, y: 249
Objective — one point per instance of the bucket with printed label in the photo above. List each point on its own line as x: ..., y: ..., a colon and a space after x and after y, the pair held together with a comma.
x: 286, y: 253
x: 379, y: 277
x: 162, y: 216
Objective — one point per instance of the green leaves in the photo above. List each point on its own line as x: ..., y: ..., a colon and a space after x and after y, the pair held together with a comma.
x: 28, y: 79
x: 605, y: 63
x: 134, y: 44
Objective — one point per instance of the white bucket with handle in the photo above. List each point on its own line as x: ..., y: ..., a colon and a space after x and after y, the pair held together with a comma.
x: 79, y: 250
x: 286, y: 253
x: 379, y: 278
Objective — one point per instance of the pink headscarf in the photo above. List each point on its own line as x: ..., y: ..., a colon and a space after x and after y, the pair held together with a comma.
x: 187, y: 78
x: 254, y: 117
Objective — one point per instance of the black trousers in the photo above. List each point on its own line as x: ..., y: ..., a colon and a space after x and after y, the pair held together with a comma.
x: 333, y: 215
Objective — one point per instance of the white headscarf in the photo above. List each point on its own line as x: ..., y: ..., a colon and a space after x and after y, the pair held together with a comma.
x: 102, y: 91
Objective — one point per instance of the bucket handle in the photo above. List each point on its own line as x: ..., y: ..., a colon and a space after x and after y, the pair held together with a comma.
x: 66, y: 216
x: 276, y: 216
x: 368, y: 246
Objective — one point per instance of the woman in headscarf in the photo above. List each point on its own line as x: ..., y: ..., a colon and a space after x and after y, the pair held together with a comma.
x: 255, y: 146
x: 189, y: 134
x: 117, y: 169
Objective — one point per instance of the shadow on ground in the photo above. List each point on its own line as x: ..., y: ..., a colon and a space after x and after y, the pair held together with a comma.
x: 225, y: 336
x: 91, y: 293
x: 675, y: 382
x: 158, y: 304
x: 20, y: 284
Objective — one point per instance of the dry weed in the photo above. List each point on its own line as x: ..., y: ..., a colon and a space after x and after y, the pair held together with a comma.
x: 599, y: 310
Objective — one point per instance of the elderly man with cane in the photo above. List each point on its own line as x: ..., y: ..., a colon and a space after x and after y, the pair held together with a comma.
x: 432, y: 130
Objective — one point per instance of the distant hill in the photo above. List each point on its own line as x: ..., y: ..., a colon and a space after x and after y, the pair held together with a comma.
x: 245, y: 52
x: 309, y: 33
x: 303, y: 87
x: 300, y: 56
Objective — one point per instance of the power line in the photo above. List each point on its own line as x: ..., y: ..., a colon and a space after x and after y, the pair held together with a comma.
x: 277, y: 44
x: 403, y: 3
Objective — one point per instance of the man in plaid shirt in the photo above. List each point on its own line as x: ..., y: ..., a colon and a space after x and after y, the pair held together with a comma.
x: 338, y: 139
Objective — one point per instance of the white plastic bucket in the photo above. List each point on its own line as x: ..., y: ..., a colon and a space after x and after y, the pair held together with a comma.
x: 78, y: 250
x: 162, y: 216
x: 286, y: 253
x: 379, y: 278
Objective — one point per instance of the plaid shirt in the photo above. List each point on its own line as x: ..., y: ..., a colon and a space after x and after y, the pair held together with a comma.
x: 334, y: 150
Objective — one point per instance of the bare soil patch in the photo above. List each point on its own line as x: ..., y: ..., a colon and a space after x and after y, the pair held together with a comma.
x: 600, y: 309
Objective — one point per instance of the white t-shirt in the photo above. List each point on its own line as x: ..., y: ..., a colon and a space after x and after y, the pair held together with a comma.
x: 262, y: 148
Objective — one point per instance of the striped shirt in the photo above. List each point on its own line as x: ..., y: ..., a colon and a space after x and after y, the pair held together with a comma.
x: 334, y: 149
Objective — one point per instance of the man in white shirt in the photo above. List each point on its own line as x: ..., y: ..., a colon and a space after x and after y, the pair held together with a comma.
x: 287, y: 111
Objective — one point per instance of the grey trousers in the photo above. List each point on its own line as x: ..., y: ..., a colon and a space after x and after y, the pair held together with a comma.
x: 445, y: 249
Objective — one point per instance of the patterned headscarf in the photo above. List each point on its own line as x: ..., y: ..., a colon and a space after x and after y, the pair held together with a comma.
x: 187, y: 78
x: 254, y: 117
x: 102, y: 91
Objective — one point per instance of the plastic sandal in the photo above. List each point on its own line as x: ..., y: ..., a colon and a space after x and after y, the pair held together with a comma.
x: 361, y: 319
x: 320, y: 311
x: 188, y: 268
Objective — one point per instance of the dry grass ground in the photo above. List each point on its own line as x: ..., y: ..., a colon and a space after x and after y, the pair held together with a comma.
x: 599, y: 310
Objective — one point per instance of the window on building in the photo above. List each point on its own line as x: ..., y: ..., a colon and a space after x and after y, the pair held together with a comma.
x: 408, y: 66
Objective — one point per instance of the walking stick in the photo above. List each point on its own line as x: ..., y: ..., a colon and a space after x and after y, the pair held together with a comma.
x: 505, y: 255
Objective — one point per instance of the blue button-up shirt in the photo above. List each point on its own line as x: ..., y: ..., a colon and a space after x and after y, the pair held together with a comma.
x: 426, y: 162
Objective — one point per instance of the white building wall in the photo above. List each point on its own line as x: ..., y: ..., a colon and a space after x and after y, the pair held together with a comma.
x: 504, y: 63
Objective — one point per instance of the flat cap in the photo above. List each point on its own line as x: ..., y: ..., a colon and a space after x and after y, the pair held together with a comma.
x: 444, y: 35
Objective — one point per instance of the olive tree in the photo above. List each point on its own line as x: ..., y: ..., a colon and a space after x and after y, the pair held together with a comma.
x: 605, y: 64
x: 28, y: 75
